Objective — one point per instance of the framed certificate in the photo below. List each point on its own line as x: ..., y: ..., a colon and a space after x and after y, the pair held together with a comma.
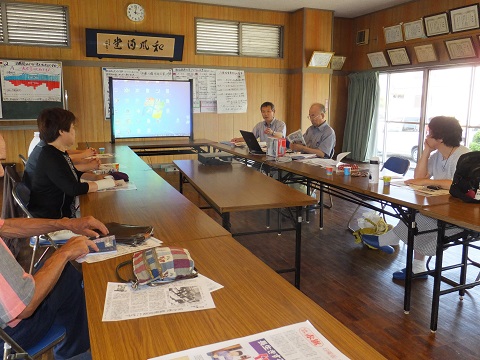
x: 393, y: 34
x: 460, y: 48
x: 337, y: 62
x: 425, y: 53
x: 377, y: 59
x: 320, y: 59
x: 464, y: 18
x: 436, y: 24
x: 398, y: 56
x: 414, y: 30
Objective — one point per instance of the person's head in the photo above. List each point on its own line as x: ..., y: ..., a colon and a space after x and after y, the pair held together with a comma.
x: 316, y: 114
x: 235, y: 353
x: 56, y: 122
x: 268, y: 111
x: 445, y: 129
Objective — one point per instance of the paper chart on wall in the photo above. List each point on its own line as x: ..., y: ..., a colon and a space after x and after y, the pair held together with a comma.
x: 204, y: 86
x: 231, y: 91
x: 119, y: 73
x: 31, y: 80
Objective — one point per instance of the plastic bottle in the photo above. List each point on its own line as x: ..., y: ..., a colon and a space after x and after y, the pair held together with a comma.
x: 373, y: 170
x: 34, y: 142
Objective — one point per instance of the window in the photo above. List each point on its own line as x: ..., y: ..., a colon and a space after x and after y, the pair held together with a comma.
x: 234, y: 38
x: 449, y: 91
x: 34, y: 24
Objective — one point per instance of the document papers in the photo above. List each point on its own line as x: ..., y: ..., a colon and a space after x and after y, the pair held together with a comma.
x: 296, y: 137
x: 122, y: 249
x: 294, y: 342
x: 122, y: 302
x: 326, y: 162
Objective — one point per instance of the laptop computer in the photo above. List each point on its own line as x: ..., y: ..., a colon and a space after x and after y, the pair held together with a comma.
x: 252, y: 143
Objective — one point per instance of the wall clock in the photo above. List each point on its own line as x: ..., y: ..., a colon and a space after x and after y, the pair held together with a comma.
x: 135, y: 12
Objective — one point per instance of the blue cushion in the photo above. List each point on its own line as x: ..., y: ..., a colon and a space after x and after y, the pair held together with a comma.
x: 54, y: 335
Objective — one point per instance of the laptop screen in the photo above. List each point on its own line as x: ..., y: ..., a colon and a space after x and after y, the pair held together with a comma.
x: 251, y: 142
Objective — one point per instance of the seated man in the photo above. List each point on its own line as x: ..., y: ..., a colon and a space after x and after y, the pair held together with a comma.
x: 270, y: 127
x: 29, y: 305
x: 320, y: 137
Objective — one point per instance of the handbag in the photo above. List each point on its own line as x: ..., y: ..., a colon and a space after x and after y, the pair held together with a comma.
x: 466, y: 180
x: 129, y: 234
x: 160, y: 265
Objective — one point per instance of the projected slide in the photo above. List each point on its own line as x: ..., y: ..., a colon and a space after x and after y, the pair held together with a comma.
x: 150, y: 108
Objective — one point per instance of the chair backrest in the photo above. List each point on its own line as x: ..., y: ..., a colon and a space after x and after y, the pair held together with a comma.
x: 397, y: 165
x: 23, y: 158
x: 21, y: 194
x: 52, y: 337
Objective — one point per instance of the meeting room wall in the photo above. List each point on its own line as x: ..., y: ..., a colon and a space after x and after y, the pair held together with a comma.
x: 266, y: 78
x: 357, y: 59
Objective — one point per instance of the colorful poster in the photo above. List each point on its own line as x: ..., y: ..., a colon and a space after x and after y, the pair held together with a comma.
x: 31, y: 80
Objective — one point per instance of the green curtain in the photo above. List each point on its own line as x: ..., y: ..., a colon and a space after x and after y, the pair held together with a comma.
x: 361, y: 125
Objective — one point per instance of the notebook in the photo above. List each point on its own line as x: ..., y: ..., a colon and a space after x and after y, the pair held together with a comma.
x: 252, y: 143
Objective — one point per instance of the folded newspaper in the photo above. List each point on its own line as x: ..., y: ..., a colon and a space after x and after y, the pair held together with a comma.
x: 296, y: 137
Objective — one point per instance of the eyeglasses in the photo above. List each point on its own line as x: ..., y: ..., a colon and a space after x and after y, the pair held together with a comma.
x: 310, y: 117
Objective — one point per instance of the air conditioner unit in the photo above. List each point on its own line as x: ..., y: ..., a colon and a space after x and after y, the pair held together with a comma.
x: 362, y: 37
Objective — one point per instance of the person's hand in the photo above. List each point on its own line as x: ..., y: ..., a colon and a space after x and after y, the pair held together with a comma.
x: 235, y: 140
x: 268, y: 131
x: 296, y: 147
x: 92, y: 164
x: 426, y: 148
x: 77, y: 247
x: 84, y: 226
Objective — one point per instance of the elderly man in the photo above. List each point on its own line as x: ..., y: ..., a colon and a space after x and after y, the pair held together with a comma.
x: 30, y: 305
x: 320, y: 137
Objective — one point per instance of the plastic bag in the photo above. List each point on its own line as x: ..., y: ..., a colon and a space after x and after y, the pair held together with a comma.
x: 371, y: 223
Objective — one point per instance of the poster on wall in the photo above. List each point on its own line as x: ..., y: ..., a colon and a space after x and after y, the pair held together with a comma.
x: 204, y: 85
x: 31, y: 80
x: 231, y: 91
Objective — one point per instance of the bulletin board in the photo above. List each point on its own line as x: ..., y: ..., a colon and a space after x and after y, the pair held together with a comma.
x: 29, y: 86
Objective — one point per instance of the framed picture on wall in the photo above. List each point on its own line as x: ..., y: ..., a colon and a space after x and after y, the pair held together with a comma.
x: 393, y: 34
x: 464, y: 18
x: 320, y: 59
x: 337, y: 62
x: 425, y: 53
x: 414, y: 30
x: 436, y: 24
x: 460, y: 48
x: 377, y: 59
x: 398, y: 56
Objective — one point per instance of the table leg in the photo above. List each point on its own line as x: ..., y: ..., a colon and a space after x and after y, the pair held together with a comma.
x: 309, y: 190
x: 321, y: 207
x: 408, y: 276
x: 180, y: 187
x: 267, y: 220
x: 226, y: 222
x: 437, y: 277
x: 298, y: 245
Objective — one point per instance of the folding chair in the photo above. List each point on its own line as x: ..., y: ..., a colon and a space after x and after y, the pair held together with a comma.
x: 21, y: 194
x: 394, y: 164
x: 52, y: 338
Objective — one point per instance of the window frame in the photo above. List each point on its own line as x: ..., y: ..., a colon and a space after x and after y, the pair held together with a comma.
x: 239, y: 26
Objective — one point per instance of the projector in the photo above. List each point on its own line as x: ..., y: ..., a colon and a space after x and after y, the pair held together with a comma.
x: 216, y: 158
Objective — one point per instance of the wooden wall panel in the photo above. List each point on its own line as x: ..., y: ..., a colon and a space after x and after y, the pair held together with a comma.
x: 316, y: 88
x: 318, y: 32
x: 403, y: 13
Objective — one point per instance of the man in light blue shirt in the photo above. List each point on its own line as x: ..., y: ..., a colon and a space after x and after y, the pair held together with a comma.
x: 270, y: 127
x: 320, y: 137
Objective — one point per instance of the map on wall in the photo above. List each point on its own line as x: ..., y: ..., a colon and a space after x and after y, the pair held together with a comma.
x: 31, y: 80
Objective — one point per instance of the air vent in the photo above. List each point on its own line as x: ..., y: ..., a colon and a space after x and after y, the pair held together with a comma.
x: 362, y: 37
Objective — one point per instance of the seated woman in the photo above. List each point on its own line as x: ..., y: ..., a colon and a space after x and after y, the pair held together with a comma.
x: 435, y: 167
x: 54, y: 181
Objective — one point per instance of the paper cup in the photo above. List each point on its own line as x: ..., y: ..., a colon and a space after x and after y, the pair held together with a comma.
x: 387, y: 180
x: 347, y: 170
x: 329, y: 170
x: 101, y: 150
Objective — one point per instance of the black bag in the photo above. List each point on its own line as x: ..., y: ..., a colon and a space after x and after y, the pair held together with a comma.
x: 467, y: 177
x: 129, y: 234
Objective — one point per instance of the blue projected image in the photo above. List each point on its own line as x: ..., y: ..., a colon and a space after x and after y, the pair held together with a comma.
x: 150, y: 108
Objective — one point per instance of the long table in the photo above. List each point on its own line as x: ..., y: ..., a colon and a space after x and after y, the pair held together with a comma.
x: 254, y: 298
x: 463, y: 215
x: 235, y: 187
x: 405, y: 202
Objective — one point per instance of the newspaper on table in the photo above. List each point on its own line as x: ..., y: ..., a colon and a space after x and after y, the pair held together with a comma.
x: 296, y: 137
x: 122, y: 302
x: 299, y: 341
x: 420, y: 189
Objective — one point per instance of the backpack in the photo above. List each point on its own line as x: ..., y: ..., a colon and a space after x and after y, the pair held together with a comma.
x: 465, y: 184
